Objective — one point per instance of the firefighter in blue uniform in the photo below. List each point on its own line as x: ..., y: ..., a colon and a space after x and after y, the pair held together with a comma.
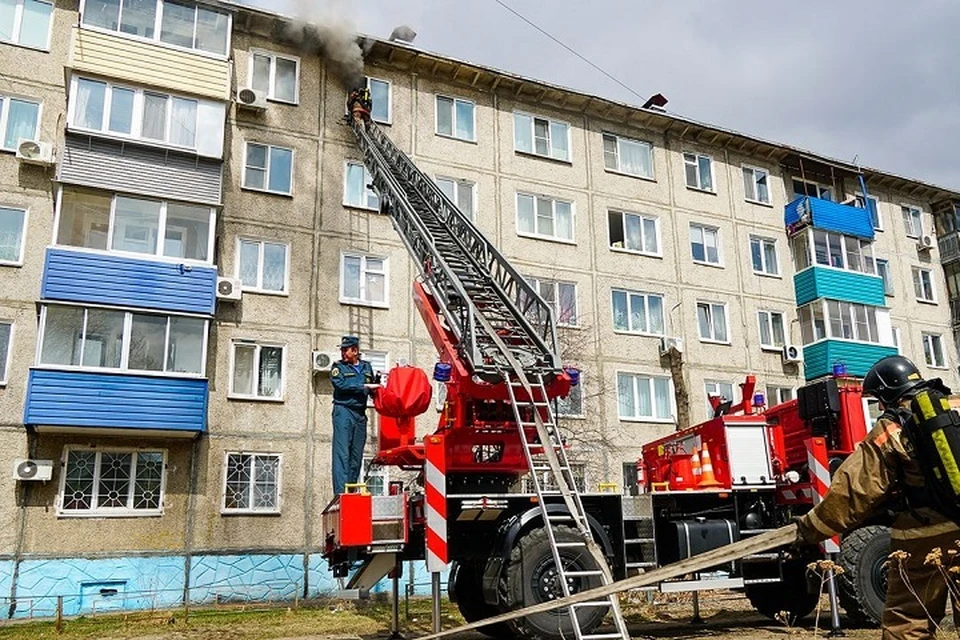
x: 353, y: 382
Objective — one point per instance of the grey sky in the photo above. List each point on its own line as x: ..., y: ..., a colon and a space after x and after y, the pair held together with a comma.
x: 870, y: 78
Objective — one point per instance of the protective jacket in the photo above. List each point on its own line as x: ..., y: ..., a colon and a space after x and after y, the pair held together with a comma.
x: 348, y: 381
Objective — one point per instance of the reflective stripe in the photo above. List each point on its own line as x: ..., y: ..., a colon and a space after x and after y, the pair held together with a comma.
x: 820, y: 525
x: 926, y: 406
x: 928, y: 531
x: 947, y: 459
x: 891, y: 429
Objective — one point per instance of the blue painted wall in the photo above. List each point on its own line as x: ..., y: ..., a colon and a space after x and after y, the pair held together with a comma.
x: 6, y: 579
x: 818, y: 358
x: 226, y: 578
x: 831, y: 216
x: 140, y: 583
x: 86, y: 399
x: 80, y: 276
x: 824, y: 282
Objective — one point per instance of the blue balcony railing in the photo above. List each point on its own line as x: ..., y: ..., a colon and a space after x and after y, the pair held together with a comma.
x: 857, y: 357
x: 830, y: 216
x: 836, y: 284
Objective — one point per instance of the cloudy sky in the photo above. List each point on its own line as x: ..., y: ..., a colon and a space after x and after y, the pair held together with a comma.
x: 872, y: 79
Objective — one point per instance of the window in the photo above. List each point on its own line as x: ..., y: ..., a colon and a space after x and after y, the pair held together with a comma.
x: 634, y: 232
x: 641, y: 397
x: 26, y: 22
x: 544, y: 217
x: 778, y: 395
x: 122, y: 341
x: 112, y: 482
x: 933, y: 350
x: 883, y: 270
x: 923, y: 285
x: 712, y: 320
x: 835, y: 250
x: 152, y: 227
x: 13, y: 223
x: 572, y: 405
x: 763, y: 252
x: 755, y: 185
x: 561, y: 297
x: 541, y: 137
x: 262, y: 266
x: 873, y: 205
x: 912, y: 221
x: 636, y: 312
x: 363, y: 280
x: 705, y: 244
x: 19, y: 120
x: 376, y: 477
x: 717, y: 388
x: 838, y: 320
x: 268, y: 168
x: 6, y: 339
x: 257, y: 371
x: 896, y: 340
x: 699, y: 171
x: 456, y: 118
x: 812, y: 189
x: 181, y: 24
x: 381, y: 96
x: 624, y: 155
x: 358, y: 188
x: 251, y: 483
x: 276, y: 75
x: 771, y: 329
x: 462, y: 193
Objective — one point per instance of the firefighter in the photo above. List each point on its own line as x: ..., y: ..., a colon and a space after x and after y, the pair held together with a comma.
x: 359, y: 104
x: 353, y: 382
x: 884, y: 464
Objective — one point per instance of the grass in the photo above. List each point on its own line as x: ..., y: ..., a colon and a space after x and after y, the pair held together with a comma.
x: 311, y: 619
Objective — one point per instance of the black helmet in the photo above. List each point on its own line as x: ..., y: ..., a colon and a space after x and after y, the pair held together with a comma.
x: 890, y: 378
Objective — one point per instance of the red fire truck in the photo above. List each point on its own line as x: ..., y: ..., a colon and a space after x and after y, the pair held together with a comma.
x: 748, y: 470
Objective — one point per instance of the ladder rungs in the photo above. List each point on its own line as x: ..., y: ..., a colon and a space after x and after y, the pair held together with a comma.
x: 602, y: 636
x: 565, y: 518
x: 595, y: 603
x: 637, y: 540
x: 641, y: 565
x: 578, y: 543
x: 582, y: 574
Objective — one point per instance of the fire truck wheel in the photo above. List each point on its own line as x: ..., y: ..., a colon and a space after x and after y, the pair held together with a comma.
x: 792, y: 596
x: 465, y: 586
x: 531, y: 578
x: 863, y: 583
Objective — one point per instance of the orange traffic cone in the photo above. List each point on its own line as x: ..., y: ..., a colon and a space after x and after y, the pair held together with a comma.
x: 707, y: 479
x: 695, y: 464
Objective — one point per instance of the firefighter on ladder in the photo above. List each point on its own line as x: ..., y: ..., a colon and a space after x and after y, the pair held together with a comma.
x: 359, y: 104
x: 882, y: 465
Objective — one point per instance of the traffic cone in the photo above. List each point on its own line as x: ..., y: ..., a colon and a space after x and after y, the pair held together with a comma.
x: 695, y: 464
x: 641, y: 476
x: 707, y: 479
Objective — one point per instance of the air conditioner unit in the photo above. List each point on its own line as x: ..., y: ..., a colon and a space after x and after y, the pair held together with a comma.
x: 668, y: 343
x: 252, y: 99
x: 925, y: 242
x: 32, y: 470
x: 323, y: 360
x: 228, y: 289
x: 33, y: 152
x: 792, y: 353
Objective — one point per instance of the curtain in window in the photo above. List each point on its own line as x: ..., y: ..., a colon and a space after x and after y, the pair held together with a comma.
x: 703, y: 321
x: 121, y: 110
x: 635, y: 158
x: 610, y: 156
x: 638, y: 313
x: 90, y: 98
x: 274, y: 267
x: 183, y: 122
x: 11, y: 236
x: 21, y: 122
x: 522, y: 135
x: 375, y: 283
x: 4, y: 348
x: 620, y: 311
x: 261, y: 73
x: 661, y: 391
x: 625, y: 399
x: 351, y: 277
x: 154, y: 116
x: 525, y: 214
x: 634, y: 232
x: 271, y: 365
x: 655, y: 314
x: 285, y: 84
x: 564, y: 220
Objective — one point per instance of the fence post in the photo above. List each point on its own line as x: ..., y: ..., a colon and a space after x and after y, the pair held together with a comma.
x: 59, y: 624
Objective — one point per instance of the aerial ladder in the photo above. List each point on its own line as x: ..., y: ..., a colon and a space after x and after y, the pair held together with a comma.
x: 497, y: 330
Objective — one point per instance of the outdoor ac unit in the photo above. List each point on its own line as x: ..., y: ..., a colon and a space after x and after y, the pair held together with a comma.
x: 252, y: 99
x: 667, y: 343
x: 792, y: 353
x: 32, y: 152
x: 32, y: 470
x: 228, y: 289
x: 323, y: 360
x: 925, y: 242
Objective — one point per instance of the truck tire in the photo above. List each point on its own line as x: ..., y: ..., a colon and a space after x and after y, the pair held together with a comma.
x: 531, y: 578
x: 465, y: 588
x: 863, y: 583
x: 791, y: 596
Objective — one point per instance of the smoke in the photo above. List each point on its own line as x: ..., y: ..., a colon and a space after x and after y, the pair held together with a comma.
x: 325, y: 27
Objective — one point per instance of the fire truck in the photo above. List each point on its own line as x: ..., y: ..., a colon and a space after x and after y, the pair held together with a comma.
x: 497, y: 376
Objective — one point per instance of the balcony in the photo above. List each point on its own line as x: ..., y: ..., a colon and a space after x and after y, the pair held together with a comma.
x: 949, y: 246
x: 110, y: 279
x: 858, y: 357
x: 830, y: 216
x: 837, y: 284
x: 81, y: 400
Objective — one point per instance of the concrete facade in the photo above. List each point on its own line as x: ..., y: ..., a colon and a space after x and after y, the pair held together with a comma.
x: 203, y: 548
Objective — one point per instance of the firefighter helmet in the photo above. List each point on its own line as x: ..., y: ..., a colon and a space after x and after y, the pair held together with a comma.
x: 890, y: 378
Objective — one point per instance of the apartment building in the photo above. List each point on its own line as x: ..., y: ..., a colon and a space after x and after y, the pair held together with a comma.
x: 172, y: 256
